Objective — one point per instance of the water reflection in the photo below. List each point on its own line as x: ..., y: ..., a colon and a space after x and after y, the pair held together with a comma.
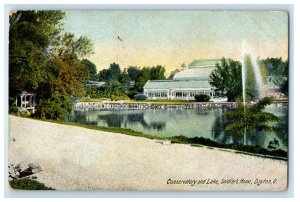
x: 187, y: 122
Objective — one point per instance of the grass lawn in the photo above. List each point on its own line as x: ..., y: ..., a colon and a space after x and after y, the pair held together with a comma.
x: 28, y: 184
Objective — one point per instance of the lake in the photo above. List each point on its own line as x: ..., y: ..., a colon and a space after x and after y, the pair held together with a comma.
x: 207, y: 123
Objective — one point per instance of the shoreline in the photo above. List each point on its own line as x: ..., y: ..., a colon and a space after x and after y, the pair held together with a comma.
x: 76, y: 158
x: 195, y: 142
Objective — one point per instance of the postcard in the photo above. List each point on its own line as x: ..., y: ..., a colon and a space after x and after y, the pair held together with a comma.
x: 148, y: 100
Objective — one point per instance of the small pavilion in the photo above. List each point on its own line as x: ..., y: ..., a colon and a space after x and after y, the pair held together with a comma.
x: 25, y: 101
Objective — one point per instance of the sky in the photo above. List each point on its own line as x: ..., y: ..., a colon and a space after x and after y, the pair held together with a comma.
x: 171, y: 38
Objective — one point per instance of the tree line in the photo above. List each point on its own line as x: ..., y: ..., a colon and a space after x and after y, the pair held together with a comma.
x: 127, y: 83
x: 47, y: 61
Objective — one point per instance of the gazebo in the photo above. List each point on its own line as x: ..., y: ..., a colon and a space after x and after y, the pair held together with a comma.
x: 26, y: 101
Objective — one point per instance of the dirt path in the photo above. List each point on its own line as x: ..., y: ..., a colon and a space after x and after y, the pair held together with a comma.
x: 74, y: 158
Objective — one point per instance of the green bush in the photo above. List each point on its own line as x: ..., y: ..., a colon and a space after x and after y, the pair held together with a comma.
x: 28, y: 184
x: 140, y: 97
x: 202, y: 98
x: 25, y: 113
x: 47, y: 109
x: 13, y: 109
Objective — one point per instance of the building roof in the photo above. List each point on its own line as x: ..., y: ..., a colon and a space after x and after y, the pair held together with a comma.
x: 178, y: 84
x: 196, y: 73
x: 203, y: 63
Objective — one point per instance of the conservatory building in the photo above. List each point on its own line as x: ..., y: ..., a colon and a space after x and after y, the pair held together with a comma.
x: 185, y: 84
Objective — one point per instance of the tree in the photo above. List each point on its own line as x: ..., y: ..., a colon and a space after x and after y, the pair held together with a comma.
x: 115, y: 90
x: 157, y: 73
x: 251, y: 118
x: 113, y: 73
x: 150, y: 73
x: 52, y: 68
x: 91, y: 68
x: 134, y: 73
x: 172, y: 74
x: 278, y: 71
x: 227, y: 79
x: 68, y: 47
x: 35, y: 31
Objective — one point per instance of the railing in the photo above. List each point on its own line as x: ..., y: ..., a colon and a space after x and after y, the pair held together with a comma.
x: 125, y: 106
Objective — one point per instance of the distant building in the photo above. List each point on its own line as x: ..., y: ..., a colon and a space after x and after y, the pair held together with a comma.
x: 192, y: 80
x: 95, y: 83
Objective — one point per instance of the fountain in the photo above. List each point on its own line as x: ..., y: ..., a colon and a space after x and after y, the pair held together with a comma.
x: 258, y: 77
x: 247, y: 51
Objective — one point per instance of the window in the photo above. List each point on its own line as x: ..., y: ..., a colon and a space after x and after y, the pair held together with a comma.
x: 163, y: 94
x: 178, y: 94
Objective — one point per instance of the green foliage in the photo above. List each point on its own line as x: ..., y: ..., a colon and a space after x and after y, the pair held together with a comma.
x: 227, y: 79
x: 91, y: 69
x: 13, y: 109
x: 157, y: 73
x: 133, y: 74
x: 251, y: 118
x: 278, y: 70
x: 28, y: 184
x: 202, y: 98
x: 114, y: 90
x: 111, y: 74
x: 45, y: 60
x: 35, y: 31
x: 237, y: 147
x: 140, y: 97
x: 25, y: 113
x: 53, y: 109
x: 70, y: 48
x: 93, y: 92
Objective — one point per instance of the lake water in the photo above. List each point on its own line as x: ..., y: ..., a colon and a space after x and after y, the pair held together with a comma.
x: 187, y: 122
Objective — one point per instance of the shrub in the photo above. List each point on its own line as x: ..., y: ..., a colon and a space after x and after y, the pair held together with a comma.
x: 47, y: 109
x: 13, y: 109
x: 140, y: 97
x: 25, y: 113
x: 202, y: 98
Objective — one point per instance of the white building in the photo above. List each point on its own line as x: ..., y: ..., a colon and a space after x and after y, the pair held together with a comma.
x: 185, y: 84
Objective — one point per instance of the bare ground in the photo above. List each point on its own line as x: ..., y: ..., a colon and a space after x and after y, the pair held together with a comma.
x: 75, y: 158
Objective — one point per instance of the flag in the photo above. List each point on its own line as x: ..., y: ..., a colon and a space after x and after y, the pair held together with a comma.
x: 119, y: 38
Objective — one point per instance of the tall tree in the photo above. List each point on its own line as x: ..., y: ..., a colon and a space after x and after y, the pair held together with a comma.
x: 91, y: 68
x: 111, y: 74
x: 134, y: 73
x: 157, y: 73
x: 35, y: 31
x: 227, y: 79
x: 52, y: 68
